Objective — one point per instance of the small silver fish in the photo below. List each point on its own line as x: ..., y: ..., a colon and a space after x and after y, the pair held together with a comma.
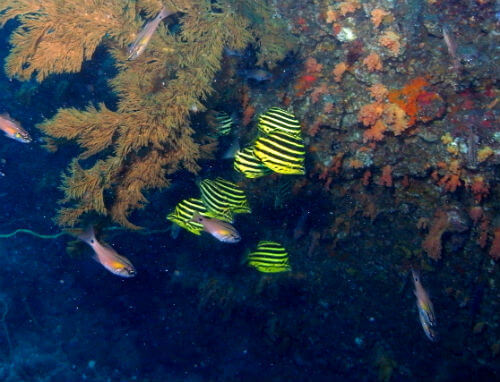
x: 144, y: 36
x: 219, y: 229
x: 13, y: 129
x: 451, y: 45
x: 425, y: 307
x: 107, y: 256
x: 259, y: 75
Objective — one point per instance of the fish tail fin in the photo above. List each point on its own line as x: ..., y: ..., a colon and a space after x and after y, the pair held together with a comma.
x: 164, y: 13
x: 415, y: 274
x: 88, y: 236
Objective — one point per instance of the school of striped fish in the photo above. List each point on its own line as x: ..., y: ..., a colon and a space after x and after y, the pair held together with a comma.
x: 278, y: 148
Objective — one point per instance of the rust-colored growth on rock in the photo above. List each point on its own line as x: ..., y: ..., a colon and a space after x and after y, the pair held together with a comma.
x: 495, y: 246
x: 476, y: 213
x: 407, y: 97
x: 432, y: 243
x: 248, y: 113
x: 355, y: 164
x: 480, y: 188
x: 366, y: 178
x: 386, y: 177
x: 451, y: 181
x: 312, y: 66
x: 304, y: 83
x: 339, y: 71
x: 484, y: 227
x: 318, y: 91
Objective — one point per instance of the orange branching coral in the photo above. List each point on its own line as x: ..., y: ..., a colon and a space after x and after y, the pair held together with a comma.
x: 134, y: 148
x: 366, y: 178
x: 373, y: 62
x: 375, y: 133
x: 248, y: 109
x: 476, y: 213
x: 312, y: 66
x: 379, y: 92
x: 331, y: 16
x: 332, y: 169
x: 386, y: 177
x: 349, y: 6
x: 495, y: 246
x: 432, y: 243
x: 355, y: 163
x: 339, y: 71
x: 479, y: 188
x: 370, y: 113
x: 484, y: 226
x: 392, y: 41
x: 451, y: 181
x: 248, y: 113
x: 378, y: 15
x: 318, y: 92
x: 395, y: 118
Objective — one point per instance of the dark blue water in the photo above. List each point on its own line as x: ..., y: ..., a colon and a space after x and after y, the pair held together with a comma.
x: 195, y: 311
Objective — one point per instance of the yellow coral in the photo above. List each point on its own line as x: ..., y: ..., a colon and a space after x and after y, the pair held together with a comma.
x: 484, y: 153
x: 446, y: 139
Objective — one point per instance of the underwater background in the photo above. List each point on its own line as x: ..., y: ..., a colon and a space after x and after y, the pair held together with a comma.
x: 362, y: 135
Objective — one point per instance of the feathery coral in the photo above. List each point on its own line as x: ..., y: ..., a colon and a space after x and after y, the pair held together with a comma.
x: 132, y: 149
x: 54, y: 39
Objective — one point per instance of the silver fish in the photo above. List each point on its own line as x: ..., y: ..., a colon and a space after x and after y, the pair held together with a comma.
x: 219, y: 229
x: 144, y: 36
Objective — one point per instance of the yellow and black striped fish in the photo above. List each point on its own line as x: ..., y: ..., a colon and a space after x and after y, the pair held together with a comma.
x: 184, y: 212
x: 223, y: 198
x: 281, y: 152
x: 249, y: 165
x: 276, y: 119
x: 269, y: 257
x: 223, y: 123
